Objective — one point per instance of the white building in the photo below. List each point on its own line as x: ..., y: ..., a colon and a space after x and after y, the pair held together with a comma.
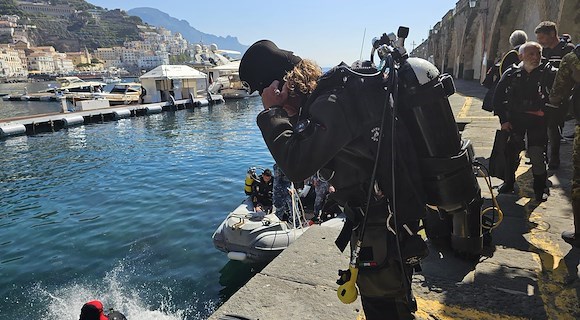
x: 46, y: 8
x: 110, y: 57
x: 130, y: 57
x: 150, y: 61
x: 7, y: 27
x: 177, y: 81
x: 10, y: 63
x: 41, y: 62
x: 62, y: 64
x: 105, y: 54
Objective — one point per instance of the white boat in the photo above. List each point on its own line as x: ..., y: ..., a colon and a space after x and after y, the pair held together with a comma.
x: 111, y: 79
x: 121, y: 93
x: 68, y: 87
x: 76, y: 85
x: 254, y: 237
x: 226, y: 81
x: 257, y: 237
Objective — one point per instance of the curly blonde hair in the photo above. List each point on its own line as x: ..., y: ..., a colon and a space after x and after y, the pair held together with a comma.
x: 302, y: 79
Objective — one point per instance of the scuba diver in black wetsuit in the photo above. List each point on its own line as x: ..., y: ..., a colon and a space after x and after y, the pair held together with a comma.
x: 262, y: 192
x: 385, y: 167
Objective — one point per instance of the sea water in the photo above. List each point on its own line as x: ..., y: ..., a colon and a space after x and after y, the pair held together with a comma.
x: 124, y: 212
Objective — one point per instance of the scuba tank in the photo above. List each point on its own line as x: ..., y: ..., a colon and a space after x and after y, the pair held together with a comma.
x: 116, y: 315
x: 250, y: 178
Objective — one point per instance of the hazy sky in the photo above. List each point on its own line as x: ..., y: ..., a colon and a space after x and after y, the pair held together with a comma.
x: 327, y: 31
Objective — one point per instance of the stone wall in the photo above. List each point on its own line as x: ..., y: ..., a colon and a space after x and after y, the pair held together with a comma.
x: 467, y: 40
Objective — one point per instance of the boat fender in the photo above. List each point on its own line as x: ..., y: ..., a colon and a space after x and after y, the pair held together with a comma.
x: 153, y: 109
x: 73, y: 121
x: 122, y: 113
x: 238, y: 256
x: 12, y: 130
x: 202, y: 102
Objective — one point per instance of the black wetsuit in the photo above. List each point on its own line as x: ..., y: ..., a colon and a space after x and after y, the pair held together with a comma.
x: 555, y: 55
x: 519, y: 94
x: 510, y: 58
x: 557, y: 116
x: 337, y: 135
x: 262, y: 193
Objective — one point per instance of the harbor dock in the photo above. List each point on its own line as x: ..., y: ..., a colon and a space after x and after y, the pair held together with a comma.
x: 528, y: 271
x: 31, y: 125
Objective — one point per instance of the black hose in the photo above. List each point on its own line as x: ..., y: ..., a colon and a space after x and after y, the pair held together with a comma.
x: 395, y: 91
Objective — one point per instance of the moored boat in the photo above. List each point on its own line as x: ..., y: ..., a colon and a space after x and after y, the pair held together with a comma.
x: 257, y: 237
x: 67, y: 88
x: 123, y: 93
x: 254, y: 237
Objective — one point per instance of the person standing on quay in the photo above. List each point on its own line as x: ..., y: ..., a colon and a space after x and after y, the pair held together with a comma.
x: 309, y: 133
x: 520, y: 102
x: 553, y: 49
x: 566, y: 86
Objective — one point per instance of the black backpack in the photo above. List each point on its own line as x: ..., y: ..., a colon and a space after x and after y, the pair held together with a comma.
x: 490, y: 82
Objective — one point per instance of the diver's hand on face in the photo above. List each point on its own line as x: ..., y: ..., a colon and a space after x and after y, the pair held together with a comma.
x: 272, y: 96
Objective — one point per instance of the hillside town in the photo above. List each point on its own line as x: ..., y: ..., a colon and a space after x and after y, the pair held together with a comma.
x: 21, y: 60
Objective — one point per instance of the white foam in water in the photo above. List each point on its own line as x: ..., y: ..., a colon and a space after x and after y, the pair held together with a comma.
x: 66, y: 302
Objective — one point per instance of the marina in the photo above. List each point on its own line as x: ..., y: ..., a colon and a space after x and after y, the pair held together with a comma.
x: 164, y: 88
x: 53, y: 122
x: 133, y: 170
x: 124, y: 211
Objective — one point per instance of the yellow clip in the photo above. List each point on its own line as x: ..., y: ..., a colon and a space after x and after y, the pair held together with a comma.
x: 347, y: 292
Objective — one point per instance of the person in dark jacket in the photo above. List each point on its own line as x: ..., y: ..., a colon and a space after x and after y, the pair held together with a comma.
x: 520, y: 100
x: 567, y: 87
x: 324, y: 133
x: 517, y: 38
x: 281, y: 196
x: 262, y: 192
x: 553, y: 49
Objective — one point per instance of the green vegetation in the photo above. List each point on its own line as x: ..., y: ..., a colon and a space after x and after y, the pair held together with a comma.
x: 80, y: 30
x: 179, y: 59
x: 9, y: 7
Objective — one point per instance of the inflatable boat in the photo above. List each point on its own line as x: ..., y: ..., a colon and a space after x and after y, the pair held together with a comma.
x: 255, y: 237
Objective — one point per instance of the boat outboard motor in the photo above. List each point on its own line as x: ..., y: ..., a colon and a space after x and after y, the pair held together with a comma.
x: 446, y: 161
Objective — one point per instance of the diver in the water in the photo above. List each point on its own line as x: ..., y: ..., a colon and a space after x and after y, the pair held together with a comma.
x: 93, y: 310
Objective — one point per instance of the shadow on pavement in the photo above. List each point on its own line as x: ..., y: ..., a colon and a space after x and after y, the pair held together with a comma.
x: 506, y: 280
x: 471, y: 88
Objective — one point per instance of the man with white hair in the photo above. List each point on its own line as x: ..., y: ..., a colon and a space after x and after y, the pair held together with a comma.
x: 517, y: 38
x: 521, y: 99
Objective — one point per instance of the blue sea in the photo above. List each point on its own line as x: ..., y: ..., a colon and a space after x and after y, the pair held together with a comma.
x: 124, y: 212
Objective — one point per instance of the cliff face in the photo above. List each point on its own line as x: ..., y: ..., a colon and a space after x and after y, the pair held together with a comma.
x: 467, y: 40
x: 78, y: 31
